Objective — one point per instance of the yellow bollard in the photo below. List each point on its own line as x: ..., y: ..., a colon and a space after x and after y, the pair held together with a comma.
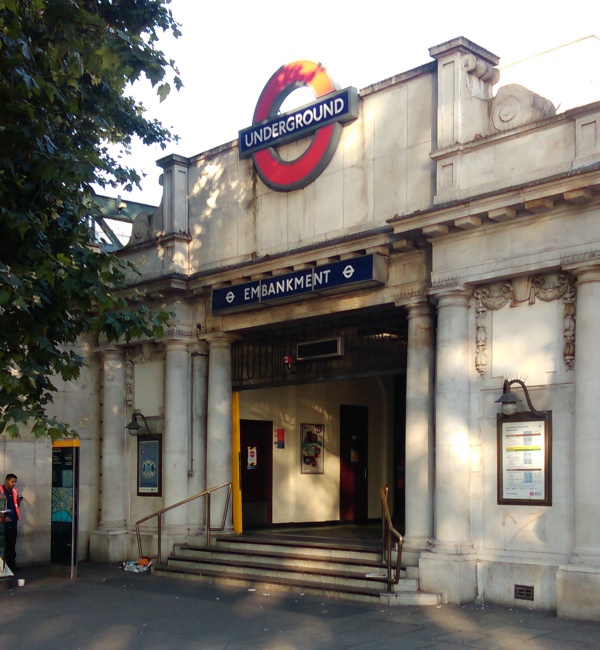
x: 236, y: 494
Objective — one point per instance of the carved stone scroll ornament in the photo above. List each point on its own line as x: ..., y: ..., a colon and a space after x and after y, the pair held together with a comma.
x: 515, y: 106
x: 490, y: 297
x: 544, y: 287
x: 480, y: 69
x: 554, y: 287
x: 129, y: 386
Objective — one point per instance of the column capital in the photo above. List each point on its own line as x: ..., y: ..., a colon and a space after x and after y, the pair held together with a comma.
x: 586, y: 271
x: 177, y: 343
x: 419, y: 306
x: 219, y: 339
x: 114, y: 351
x: 454, y: 295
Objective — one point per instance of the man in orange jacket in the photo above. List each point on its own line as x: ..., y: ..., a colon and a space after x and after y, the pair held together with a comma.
x: 11, y: 517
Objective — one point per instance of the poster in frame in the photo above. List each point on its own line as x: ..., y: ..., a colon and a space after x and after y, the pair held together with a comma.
x: 149, y: 466
x: 312, y: 448
x: 525, y: 459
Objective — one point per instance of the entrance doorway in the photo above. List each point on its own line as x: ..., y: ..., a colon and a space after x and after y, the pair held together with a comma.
x: 256, y: 472
x: 354, y: 449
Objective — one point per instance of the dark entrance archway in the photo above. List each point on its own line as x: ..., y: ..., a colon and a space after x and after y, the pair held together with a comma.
x: 361, y: 344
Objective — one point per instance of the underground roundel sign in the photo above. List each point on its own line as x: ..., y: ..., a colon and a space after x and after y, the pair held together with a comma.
x: 320, y: 120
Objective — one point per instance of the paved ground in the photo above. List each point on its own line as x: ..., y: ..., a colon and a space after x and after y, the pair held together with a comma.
x: 107, y: 608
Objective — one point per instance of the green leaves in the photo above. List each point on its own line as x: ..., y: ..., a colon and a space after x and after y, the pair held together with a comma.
x: 64, y: 65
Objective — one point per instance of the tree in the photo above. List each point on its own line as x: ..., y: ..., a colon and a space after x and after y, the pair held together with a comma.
x: 65, y: 69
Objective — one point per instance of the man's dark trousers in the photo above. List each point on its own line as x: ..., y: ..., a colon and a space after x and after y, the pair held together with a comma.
x: 10, y: 544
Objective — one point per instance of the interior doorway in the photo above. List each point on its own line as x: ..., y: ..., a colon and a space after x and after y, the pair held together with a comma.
x: 256, y: 472
x: 354, y: 463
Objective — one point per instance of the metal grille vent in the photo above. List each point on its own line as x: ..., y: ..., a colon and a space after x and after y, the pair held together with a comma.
x: 523, y: 592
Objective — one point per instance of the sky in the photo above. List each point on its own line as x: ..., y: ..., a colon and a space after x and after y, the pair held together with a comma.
x: 230, y: 48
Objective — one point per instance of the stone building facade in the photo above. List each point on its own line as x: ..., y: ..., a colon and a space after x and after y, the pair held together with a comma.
x: 373, y: 308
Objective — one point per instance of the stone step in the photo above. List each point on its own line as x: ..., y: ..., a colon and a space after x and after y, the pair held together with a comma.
x: 298, y: 586
x: 341, y: 575
x: 286, y: 555
x: 323, y: 549
x: 321, y: 567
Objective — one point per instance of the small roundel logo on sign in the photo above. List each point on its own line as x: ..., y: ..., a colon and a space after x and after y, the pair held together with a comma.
x: 321, y: 120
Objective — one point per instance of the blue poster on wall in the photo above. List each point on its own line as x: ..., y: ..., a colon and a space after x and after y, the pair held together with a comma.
x: 149, y: 469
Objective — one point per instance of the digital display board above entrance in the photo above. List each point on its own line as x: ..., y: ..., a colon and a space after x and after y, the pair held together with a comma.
x: 346, y: 275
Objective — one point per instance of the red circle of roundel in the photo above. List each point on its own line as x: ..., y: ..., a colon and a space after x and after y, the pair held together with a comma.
x: 283, y: 175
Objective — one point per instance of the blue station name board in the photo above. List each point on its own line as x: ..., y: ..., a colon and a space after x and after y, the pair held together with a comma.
x: 359, y: 272
x: 340, y: 106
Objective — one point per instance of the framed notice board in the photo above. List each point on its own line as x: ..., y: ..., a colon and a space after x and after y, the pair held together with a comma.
x: 525, y: 459
x: 149, y: 466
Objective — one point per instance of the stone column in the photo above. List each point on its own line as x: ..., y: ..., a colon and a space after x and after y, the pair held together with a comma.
x: 419, y: 430
x: 450, y: 567
x: 110, y: 543
x: 218, y: 443
x: 578, y: 583
x: 176, y: 436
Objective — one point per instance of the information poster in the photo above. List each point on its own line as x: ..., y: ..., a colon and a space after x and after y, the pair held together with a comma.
x: 311, y: 461
x: 524, y: 460
x: 149, y: 466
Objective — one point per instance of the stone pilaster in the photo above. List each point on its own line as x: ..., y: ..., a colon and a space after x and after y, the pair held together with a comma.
x: 176, y: 438
x: 174, y: 203
x: 109, y: 542
x: 199, y: 392
x: 578, y: 583
x: 419, y: 430
x: 465, y: 79
x: 219, y: 429
x: 466, y: 75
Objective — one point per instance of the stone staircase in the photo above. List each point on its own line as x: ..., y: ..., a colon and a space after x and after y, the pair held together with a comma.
x: 312, y: 567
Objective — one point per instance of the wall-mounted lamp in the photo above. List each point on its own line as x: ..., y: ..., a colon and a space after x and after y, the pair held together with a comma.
x: 509, y: 400
x: 134, y: 428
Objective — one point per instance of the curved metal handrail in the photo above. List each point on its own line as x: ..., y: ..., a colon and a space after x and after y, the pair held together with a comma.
x: 388, y: 531
x: 209, y: 529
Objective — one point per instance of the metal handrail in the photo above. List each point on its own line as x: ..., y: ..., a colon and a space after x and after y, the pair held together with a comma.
x: 388, y: 531
x: 209, y: 529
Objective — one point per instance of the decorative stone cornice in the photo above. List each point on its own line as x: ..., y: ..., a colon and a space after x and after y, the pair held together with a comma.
x: 253, y: 268
x: 509, y: 204
x: 452, y: 282
x: 464, y: 46
x: 406, y: 298
x: 179, y: 332
x: 575, y: 260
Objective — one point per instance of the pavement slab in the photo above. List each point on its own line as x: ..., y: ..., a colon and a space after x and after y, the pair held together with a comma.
x: 106, y: 607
